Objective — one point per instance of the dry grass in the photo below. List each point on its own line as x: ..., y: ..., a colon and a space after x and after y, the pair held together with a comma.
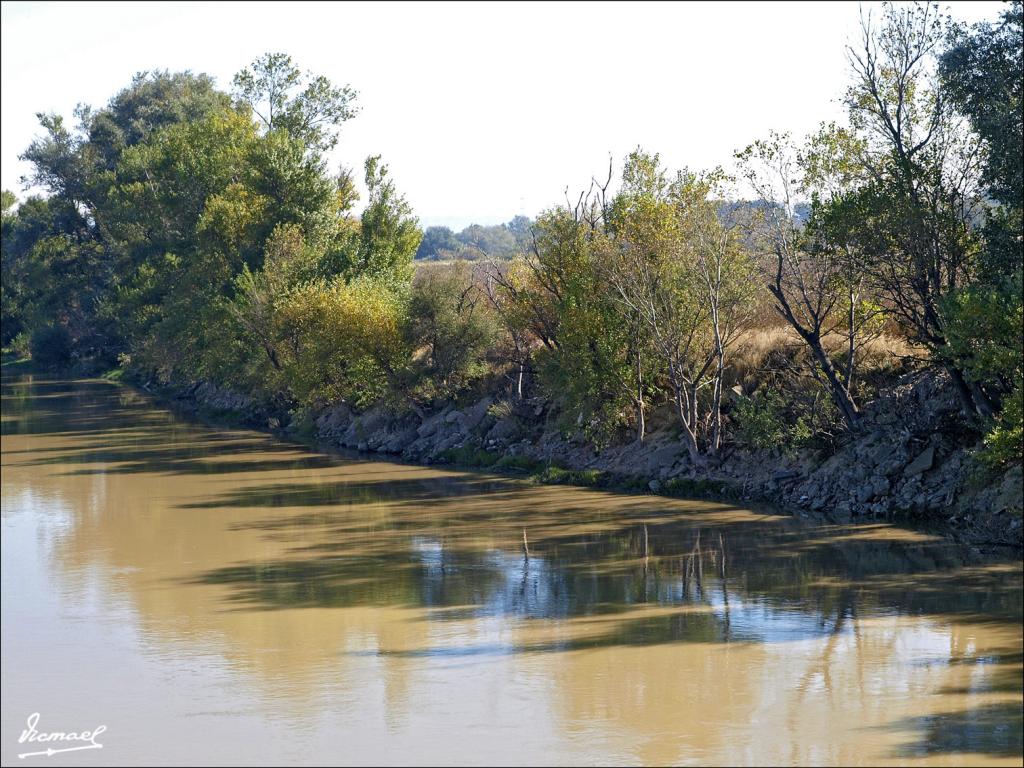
x: 760, y: 350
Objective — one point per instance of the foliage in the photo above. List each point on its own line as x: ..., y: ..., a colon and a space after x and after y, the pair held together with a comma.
x: 342, y: 342
x: 50, y: 346
x: 190, y: 233
x: 475, y: 242
x: 22, y: 345
x: 981, y: 73
x: 1004, y: 443
x: 307, y: 108
x: 467, y: 456
x: 764, y: 422
x: 450, y: 327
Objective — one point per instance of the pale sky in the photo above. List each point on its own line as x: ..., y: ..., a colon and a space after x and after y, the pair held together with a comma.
x: 481, y: 110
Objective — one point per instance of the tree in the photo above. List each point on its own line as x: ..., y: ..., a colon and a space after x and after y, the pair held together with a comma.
x: 153, y: 101
x: 390, y: 234
x: 521, y: 228
x: 309, y: 108
x: 682, y: 280
x: 924, y: 195
x: 981, y: 76
x: 807, y: 284
x: 450, y: 328
x: 478, y: 241
x: 436, y: 241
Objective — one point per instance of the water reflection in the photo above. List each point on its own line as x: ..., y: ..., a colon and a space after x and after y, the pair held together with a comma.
x: 383, y: 605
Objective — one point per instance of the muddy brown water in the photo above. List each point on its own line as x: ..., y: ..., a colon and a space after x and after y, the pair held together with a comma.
x: 219, y: 596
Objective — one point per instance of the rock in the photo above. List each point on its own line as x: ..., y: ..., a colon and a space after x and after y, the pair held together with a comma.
x: 881, y: 485
x: 786, y: 474
x: 654, y: 485
x: 648, y: 460
x: 505, y: 430
x: 477, y: 413
x: 363, y: 446
x: 431, y: 425
x: 451, y: 441
x: 400, y: 440
x: 842, y: 512
x: 922, y: 463
x: 334, y: 422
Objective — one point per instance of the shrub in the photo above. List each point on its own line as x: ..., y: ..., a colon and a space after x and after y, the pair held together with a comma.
x: 767, y: 421
x: 341, y: 341
x: 450, y: 327
x: 1004, y: 444
x: 518, y: 463
x: 22, y: 344
x: 502, y: 409
x: 468, y: 456
x: 759, y: 421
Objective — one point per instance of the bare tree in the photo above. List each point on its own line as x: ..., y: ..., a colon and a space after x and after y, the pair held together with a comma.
x: 805, y: 285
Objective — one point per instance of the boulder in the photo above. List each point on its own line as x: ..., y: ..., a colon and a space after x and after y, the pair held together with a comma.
x: 400, y: 440
x: 922, y: 463
x: 476, y: 414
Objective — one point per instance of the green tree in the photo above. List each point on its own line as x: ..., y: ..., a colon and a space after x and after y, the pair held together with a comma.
x: 917, y: 213
x: 436, y: 242
x: 390, y: 234
x: 981, y: 75
x: 309, y: 108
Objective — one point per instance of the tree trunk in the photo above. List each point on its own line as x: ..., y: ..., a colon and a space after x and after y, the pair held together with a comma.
x: 272, y: 354
x: 841, y: 397
x: 640, y: 425
x: 973, y: 401
x: 716, y: 406
x: 689, y: 436
x: 716, y: 395
x: 851, y: 329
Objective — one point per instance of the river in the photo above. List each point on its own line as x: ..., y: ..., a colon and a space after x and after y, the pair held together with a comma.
x: 220, y: 596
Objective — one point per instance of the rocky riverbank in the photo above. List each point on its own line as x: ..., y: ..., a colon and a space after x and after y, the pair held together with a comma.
x: 909, y: 460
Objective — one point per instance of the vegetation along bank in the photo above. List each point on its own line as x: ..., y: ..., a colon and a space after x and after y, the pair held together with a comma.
x: 834, y: 324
